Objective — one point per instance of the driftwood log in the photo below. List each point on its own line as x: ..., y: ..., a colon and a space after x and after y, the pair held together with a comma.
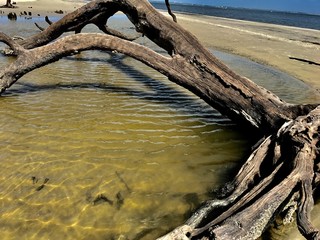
x: 283, y: 171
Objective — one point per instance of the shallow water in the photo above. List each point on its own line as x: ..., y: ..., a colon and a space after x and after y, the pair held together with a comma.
x: 98, y: 146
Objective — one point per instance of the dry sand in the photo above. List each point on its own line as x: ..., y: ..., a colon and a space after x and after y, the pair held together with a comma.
x: 265, y: 43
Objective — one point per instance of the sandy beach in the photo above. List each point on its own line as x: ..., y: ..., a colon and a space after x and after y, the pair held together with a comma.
x: 274, y: 45
x: 43, y: 7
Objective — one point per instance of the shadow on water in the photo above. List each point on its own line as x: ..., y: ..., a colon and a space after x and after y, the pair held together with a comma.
x: 155, y: 91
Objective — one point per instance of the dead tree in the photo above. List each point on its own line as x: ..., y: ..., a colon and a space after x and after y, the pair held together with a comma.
x: 281, y: 174
x: 8, y: 4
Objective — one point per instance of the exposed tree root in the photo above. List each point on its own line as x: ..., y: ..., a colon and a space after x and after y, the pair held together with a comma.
x: 280, y: 169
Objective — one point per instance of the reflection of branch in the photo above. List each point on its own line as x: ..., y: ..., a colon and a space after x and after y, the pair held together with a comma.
x: 170, y: 12
x: 305, y: 60
x: 123, y: 181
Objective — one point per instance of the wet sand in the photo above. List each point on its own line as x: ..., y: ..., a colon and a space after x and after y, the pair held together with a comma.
x: 273, y: 45
x: 269, y: 44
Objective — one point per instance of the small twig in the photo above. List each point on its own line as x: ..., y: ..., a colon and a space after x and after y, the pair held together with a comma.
x: 42, y: 185
x: 120, y: 200
x: 47, y: 20
x: 305, y: 60
x: 41, y: 28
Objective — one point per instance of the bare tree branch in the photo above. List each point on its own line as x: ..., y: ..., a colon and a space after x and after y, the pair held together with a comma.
x: 174, y: 18
x: 38, y: 26
x: 74, y: 44
x: 48, y: 20
x: 15, y: 47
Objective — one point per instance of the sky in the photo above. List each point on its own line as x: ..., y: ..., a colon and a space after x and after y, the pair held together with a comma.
x: 306, y: 6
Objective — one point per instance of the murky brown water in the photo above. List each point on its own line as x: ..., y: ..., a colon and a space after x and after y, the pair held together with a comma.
x: 98, y: 146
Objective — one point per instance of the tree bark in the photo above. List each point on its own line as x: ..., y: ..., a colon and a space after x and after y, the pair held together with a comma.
x: 279, y: 175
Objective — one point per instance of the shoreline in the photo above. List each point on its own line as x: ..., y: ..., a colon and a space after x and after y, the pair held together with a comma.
x: 269, y: 44
x: 277, y: 46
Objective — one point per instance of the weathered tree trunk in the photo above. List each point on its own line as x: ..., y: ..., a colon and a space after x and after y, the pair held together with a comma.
x: 8, y: 4
x: 282, y: 172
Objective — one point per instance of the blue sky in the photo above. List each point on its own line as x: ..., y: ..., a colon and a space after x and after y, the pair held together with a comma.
x: 307, y: 6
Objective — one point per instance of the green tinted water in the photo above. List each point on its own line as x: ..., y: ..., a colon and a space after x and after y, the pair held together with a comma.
x: 98, y: 146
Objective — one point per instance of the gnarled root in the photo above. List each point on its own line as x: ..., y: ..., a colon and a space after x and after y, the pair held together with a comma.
x: 279, y: 170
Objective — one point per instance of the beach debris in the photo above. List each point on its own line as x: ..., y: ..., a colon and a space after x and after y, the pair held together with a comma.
x: 120, y: 200
x: 305, y: 61
x: 12, y: 16
x: 124, y: 182
x: 27, y: 14
x: 59, y: 11
x: 46, y: 18
x: 101, y: 198
x: 34, y: 179
x: 42, y: 185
